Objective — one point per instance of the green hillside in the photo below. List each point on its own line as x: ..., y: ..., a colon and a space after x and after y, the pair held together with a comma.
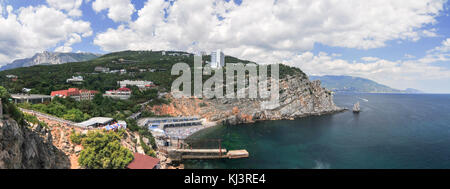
x: 45, y: 79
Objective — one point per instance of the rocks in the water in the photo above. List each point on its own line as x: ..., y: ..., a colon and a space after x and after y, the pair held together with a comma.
x: 356, y: 108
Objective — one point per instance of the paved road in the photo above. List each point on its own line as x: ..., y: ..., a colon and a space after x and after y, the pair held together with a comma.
x: 53, y: 118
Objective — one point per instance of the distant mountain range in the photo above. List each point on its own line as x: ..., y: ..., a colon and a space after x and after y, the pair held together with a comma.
x: 49, y: 58
x: 357, y: 84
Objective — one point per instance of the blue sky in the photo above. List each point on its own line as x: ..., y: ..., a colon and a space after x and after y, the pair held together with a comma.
x: 398, y: 43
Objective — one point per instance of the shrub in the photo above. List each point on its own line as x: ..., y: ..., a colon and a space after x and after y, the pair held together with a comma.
x: 147, y: 134
x: 102, y: 150
x: 149, y: 151
x: 76, y: 138
x: 31, y: 119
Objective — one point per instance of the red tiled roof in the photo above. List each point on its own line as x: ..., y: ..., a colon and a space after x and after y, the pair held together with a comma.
x: 141, y: 161
x: 71, y: 92
x: 124, y: 89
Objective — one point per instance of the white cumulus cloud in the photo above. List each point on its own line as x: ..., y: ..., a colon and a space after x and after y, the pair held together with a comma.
x: 270, y: 31
x: 118, y: 10
x: 369, y: 59
x: 445, y: 46
x: 71, y: 6
x: 267, y: 30
x: 33, y: 29
x: 401, y: 74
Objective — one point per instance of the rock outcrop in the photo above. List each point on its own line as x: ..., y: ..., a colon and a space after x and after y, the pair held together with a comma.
x: 35, y: 147
x: 29, y: 147
x: 299, y: 97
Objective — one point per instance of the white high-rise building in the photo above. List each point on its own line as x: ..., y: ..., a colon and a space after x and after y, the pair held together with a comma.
x: 217, y: 59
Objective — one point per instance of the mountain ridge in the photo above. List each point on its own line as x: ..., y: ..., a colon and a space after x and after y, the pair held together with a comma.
x: 49, y: 58
x: 343, y: 83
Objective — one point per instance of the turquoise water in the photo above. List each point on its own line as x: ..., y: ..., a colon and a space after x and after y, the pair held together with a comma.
x: 393, y: 131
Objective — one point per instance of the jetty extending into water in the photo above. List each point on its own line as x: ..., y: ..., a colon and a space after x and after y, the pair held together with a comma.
x: 188, y: 154
x: 189, y: 149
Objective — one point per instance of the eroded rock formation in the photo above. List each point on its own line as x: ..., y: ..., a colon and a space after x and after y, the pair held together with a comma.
x: 299, y: 97
x: 24, y: 147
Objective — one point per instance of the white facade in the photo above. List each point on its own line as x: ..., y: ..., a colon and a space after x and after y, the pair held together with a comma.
x: 101, y: 69
x: 140, y: 84
x: 217, y: 59
x: 75, y: 79
x: 118, y: 94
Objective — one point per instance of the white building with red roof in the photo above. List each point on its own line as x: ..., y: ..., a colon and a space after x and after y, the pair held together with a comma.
x: 75, y: 93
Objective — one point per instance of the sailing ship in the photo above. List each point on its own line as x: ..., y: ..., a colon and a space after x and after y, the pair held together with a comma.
x: 356, y: 108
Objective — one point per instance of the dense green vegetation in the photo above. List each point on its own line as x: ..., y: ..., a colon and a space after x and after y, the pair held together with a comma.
x: 76, y: 138
x: 147, y: 149
x: 102, y: 150
x: 9, y: 108
x: 143, y: 132
x: 44, y: 79
x: 34, y: 120
x: 68, y: 108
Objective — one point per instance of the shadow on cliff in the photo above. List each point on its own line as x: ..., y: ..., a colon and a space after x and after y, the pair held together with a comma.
x: 41, y: 153
x: 24, y: 147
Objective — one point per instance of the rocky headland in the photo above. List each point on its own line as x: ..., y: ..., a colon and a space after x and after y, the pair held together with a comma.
x: 299, y: 97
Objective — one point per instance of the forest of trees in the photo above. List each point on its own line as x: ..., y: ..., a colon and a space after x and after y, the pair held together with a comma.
x: 69, y: 109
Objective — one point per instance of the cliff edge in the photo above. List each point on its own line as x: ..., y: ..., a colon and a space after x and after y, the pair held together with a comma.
x: 299, y: 97
x: 28, y: 147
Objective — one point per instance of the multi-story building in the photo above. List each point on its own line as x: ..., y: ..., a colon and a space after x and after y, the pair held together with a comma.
x: 75, y: 80
x: 122, y: 94
x: 30, y: 98
x: 12, y: 77
x: 217, y: 59
x: 139, y: 84
x: 101, y: 69
x: 75, y: 93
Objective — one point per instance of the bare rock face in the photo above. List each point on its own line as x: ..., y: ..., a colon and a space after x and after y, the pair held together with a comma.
x: 28, y: 148
x: 50, y: 58
x: 299, y: 97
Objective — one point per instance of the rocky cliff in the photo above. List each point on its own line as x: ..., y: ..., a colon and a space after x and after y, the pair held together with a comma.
x: 50, y: 58
x: 35, y: 147
x: 29, y: 147
x: 299, y: 97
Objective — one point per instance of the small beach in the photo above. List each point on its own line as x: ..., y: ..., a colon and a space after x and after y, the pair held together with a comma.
x: 185, y: 132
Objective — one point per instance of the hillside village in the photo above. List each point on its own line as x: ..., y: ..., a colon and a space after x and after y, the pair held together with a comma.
x: 60, y: 103
x: 129, y: 91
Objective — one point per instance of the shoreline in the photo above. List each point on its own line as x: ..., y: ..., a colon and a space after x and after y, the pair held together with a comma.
x: 214, y: 124
x: 184, y: 133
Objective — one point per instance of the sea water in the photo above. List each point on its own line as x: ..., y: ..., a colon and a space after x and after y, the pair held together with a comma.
x: 393, y: 131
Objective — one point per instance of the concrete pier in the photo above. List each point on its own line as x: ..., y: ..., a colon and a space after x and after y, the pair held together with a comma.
x: 186, y: 154
x: 235, y: 154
